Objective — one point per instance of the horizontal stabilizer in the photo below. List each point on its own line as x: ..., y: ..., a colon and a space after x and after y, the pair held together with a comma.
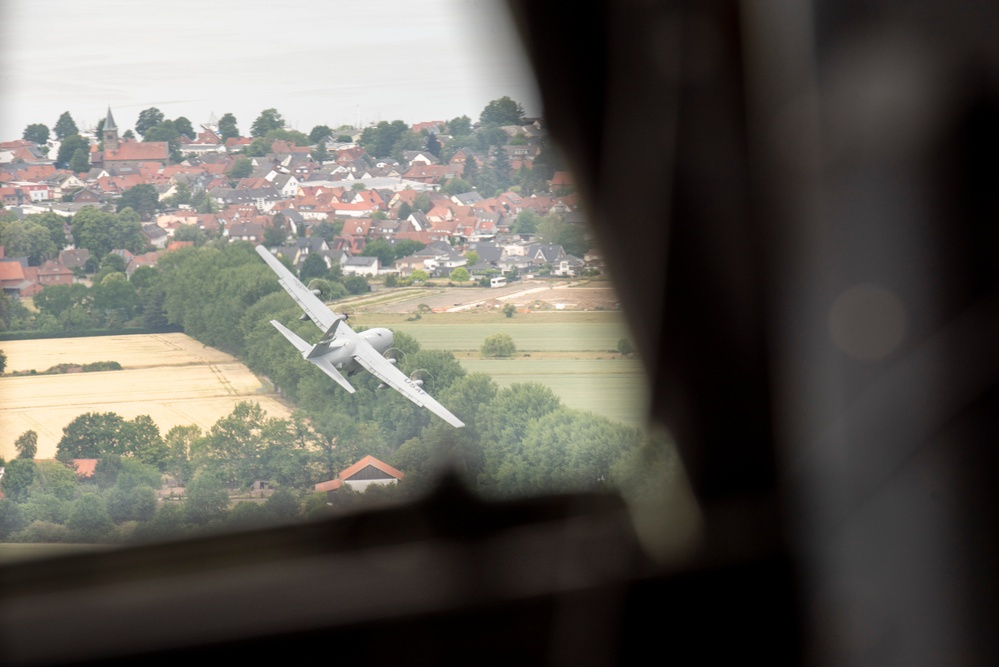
x: 326, y: 367
x: 302, y: 346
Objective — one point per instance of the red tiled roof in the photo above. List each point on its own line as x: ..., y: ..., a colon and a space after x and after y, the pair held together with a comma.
x: 11, y: 271
x: 345, y: 476
x: 139, y: 151
x: 85, y: 467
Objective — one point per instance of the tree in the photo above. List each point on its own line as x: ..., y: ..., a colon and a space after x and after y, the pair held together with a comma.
x: 470, y: 171
x: 423, y: 202
x: 3, y: 362
x: 259, y: 147
x: 11, y: 518
x: 320, y: 133
x: 274, y: 235
x: 65, y: 126
x: 356, y: 284
x: 291, y: 136
x: 137, y: 503
x: 283, y: 505
x: 456, y: 186
x: 509, y: 310
x: 95, y: 435
x: 235, y: 446
x: 68, y: 148
x: 227, y: 127
x: 27, y: 445
x: 37, y: 133
x: 314, y: 266
x: 55, y: 479
x: 30, y: 239
x: 625, y: 347
x: 269, y: 119
x: 184, y: 127
x: 319, y: 153
x: 18, y: 476
x: 142, y: 198
x: 381, y: 249
x: 460, y: 126
x: 498, y: 345
x: 206, y: 498
x: 380, y: 139
x: 148, y: 119
x: 89, y: 521
x: 79, y: 162
x: 503, y: 111
x: 241, y: 168
x: 55, y: 224
x: 460, y: 275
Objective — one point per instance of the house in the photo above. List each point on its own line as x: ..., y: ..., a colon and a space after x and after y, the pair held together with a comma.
x: 53, y: 272
x: 360, y: 266
x: 244, y: 231
x: 12, y: 279
x: 363, y: 474
x: 74, y: 257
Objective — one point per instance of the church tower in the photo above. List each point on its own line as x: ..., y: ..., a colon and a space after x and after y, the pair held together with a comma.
x: 110, y: 133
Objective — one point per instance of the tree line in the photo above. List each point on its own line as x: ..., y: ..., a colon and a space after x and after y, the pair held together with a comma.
x: 517, y: 440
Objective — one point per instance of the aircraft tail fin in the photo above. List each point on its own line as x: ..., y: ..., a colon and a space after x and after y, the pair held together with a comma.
x: 313, y: 353
x: 323, y: 346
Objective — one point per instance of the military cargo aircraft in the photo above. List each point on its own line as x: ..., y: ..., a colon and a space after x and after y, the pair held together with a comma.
x: 342, y: 352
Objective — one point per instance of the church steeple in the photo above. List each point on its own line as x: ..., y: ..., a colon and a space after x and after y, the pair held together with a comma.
x: 110, y: 133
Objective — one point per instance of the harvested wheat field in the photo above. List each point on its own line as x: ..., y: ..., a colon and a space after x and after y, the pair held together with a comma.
x: 170, y: 377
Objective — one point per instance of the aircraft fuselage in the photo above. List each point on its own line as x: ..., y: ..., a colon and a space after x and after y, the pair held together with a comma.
x: 342, y: 357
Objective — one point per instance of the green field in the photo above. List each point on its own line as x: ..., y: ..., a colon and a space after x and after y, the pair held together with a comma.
x: 613, y: 388
x: 530, y: 333
x: 588, y: 373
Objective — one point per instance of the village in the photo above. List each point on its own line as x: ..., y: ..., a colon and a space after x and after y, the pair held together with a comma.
x: 393, y: 204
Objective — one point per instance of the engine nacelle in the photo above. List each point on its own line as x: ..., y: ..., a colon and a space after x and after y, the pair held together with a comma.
x: 317, y: 292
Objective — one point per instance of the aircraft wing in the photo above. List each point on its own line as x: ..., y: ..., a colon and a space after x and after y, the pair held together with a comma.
x: 384, y: 370
x: 303, y: 296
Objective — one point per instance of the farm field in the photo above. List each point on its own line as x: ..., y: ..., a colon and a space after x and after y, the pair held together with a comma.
x: 170, y: 377
x: 554, y: 332
x: 612, y: 388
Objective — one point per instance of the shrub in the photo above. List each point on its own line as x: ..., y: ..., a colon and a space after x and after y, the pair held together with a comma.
x: 498, y: 345
x: 625, y: 347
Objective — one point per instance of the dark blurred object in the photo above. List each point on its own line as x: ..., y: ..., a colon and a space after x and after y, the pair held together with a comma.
x: 795, y: 201
x: 822, y: 343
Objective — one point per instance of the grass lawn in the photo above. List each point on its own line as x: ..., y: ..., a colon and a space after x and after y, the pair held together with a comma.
x: 613, y: 388
x: 530, y: 332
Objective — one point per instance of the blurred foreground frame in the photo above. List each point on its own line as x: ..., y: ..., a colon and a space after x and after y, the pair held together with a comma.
x: 819, y: 330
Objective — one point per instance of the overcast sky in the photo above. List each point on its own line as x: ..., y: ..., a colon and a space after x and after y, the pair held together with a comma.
x: 316, y: 61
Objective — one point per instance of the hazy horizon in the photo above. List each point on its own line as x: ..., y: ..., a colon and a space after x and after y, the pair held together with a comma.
x: 315, y: 62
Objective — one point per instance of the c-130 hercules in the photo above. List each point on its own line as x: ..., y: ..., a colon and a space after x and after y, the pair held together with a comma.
x: 343, y: 351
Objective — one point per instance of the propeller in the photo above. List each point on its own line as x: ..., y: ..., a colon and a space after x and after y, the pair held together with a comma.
x: 394, y: 355
x: 421, y: 377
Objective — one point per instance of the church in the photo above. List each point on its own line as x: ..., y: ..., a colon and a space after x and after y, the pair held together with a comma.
x: 127, y: 152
